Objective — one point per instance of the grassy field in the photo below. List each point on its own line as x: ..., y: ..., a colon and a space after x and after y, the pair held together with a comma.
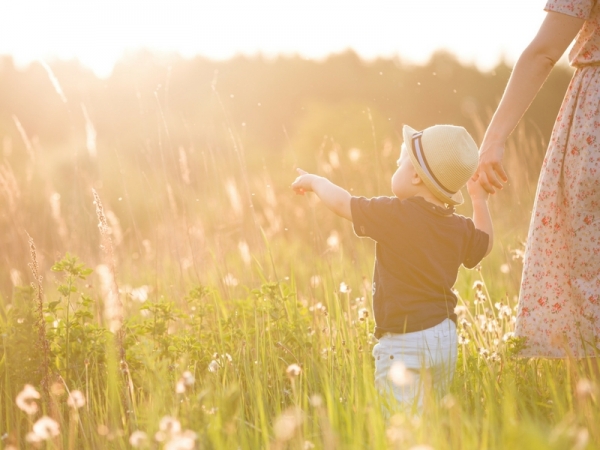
x: 185, y: 298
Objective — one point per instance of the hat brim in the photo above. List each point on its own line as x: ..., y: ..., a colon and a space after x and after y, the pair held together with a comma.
x: 456, y: 199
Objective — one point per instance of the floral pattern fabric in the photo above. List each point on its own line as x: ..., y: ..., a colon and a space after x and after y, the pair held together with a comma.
x: 586, y: 49
x: 559, y: 304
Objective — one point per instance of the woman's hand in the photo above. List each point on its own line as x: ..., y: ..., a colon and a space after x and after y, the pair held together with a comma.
x: 490, y: 173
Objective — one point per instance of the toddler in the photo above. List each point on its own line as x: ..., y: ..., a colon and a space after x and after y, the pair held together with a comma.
x: 420, y: 245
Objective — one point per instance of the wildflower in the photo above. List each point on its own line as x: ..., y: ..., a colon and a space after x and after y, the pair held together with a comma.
x: 584, y: 388
x: 287, y: 423
x: 363, y: 314
x: 293, y: 370
x: 463, y: 339
x: 460, y: 310
x: 400, y: 375
x: 213, y: 366
x: 188, y: 378
x: 138, y: 439
x: 140, y: 294
x: 167, y: 427
x: 76, y: 399
x: 230, y: 280
x: 344, y: 289
x: 26, y: 400
x: 181, y: 442
x: 315, y: 281
x: 228, y: 357
x: 505, y: 268
x: 508, y: 336
x: 245, y: 252
x: 180, y: 387
x: 478, y: 285
x: 448, y: 401
x: 45, y: 428
x: 333, y: 241
x: 315, y: 400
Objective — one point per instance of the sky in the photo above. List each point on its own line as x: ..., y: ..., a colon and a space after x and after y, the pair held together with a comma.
x: 98, y: 33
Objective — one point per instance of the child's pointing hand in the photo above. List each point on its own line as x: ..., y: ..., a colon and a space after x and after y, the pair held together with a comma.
x: 303, y: 183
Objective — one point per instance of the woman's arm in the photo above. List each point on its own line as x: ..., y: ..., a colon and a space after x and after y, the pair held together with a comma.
x: 531, y: 70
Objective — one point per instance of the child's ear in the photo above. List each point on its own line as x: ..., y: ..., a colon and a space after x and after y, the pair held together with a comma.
x: 416, y: 179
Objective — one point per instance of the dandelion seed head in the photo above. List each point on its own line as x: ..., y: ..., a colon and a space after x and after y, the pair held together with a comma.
x: 46, y: 428
x: 333, y: 241
x: 213, y: 366
x: 245, y: 252
x: 138, y: 439
x: 188, y: 378
x: 478, y: 285
x: 315, y: 281
x: 287, y: 423
x: 460, y: 310
x: 293, y: 370
x: 230, y: 280
x: 344, y: 289
x: 76, y: 399
x: 584, y: 388
x: 169, y: 425
x: 363, y: 314
x: 26, y: 400
x: 505, y: 268
x: 180, y: 443
x: 15, y: 277
x: 140, y: 294
x: 316, y: 400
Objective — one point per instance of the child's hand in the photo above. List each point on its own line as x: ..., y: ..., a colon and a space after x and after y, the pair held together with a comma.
x: 476, y: 190
x: 303, y: 183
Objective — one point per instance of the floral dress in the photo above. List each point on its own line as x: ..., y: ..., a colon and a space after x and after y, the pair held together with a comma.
x: 559, y: 304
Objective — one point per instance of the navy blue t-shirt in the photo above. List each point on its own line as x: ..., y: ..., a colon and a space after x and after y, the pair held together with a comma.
x: 419, y: 249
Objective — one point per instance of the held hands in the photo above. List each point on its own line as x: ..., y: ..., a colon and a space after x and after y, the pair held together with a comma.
x: 303, y: 183
x: 476, y: 190
x: 490, y: 172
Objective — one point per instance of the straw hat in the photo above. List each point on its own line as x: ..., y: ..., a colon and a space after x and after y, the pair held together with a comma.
x: 445, y: 157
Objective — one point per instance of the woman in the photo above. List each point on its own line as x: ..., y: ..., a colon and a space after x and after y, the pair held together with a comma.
x: 559, y: 303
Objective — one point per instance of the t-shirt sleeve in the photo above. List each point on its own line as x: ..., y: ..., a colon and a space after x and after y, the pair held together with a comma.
x: 477, y: 245
x: 576, y: 8
x: 374, y: 217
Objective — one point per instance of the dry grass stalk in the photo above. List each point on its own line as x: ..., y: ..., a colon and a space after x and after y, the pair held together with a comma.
x: 113, y: 308
x: 43, y: 344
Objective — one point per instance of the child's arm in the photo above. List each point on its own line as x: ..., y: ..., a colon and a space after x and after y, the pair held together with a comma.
x: 334, y: 197
x: 481, y: 213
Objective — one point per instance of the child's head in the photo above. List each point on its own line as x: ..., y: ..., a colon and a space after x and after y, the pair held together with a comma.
x: 438, y: 160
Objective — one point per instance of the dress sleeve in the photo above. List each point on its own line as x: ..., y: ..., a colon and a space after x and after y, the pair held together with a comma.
x: 576, y: 8
x: 476, y: 245
x: 374, y: 217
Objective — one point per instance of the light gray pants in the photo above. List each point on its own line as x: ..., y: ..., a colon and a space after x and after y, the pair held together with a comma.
x: 403, y: 361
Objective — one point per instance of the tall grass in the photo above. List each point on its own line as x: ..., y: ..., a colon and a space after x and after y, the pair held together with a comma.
x: 245, y: 309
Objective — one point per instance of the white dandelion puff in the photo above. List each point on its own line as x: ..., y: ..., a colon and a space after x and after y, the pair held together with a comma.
x: 46, y: 428
x: 76, y: 399
x: 138, y: 438
x: 26, y: 400
x: 344, y: 289
x: 293, y: 370
x: 213, y: 366
x: 287, y: 423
